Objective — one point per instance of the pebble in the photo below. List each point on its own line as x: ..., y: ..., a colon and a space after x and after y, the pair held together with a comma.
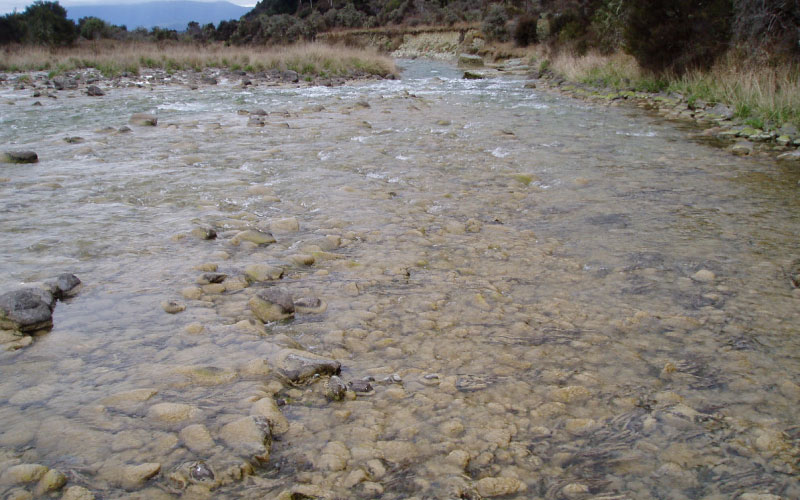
x: 194, y: 328
x: 19, y: 494
x: 704, y: 276
x: 214, y: 288
x: 459, y: 458
x: 570, y: 394
x: 253, y: 236
x: 302, y: 259
x: 204, y: 233
x: 52, y: 480
x: 579, y: 425
x: 499, y: 486
x: 173, y: 306
x: 172, y: 412
x: 272, y: 304
x: 191, y: 292
x: 211, y: 278
x: 334, y: 457
x: 335, y: 388
x: 144, y: 119
x: 133, y: 476
x: 288, y: 225
x: 23, y: 473
x: 575, y: 490
x: 268, y: 409
x: 249, y: 436
x: 360, y: 386
x: 262, y: 272
x: 310, y: 305
x: 77, y: 493
x: 197, y: 438
x: 355, y: 477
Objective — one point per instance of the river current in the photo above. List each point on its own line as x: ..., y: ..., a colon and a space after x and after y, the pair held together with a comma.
x: 550, y: 299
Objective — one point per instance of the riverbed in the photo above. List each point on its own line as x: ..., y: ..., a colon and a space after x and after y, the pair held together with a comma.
x: 548, y: 299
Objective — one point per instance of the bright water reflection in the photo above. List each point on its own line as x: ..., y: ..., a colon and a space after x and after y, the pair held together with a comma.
x: 579, y: 301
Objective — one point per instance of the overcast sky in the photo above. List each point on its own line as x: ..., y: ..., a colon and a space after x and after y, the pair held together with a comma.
x: 7, y: 6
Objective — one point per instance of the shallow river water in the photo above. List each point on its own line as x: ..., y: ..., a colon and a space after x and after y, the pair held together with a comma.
x: 550, y: 299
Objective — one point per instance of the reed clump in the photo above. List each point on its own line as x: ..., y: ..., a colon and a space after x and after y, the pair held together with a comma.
x: 114, y: 58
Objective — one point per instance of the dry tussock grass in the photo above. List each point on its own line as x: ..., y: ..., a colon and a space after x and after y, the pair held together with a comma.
x: 765, y: 96
x: 113, y: 58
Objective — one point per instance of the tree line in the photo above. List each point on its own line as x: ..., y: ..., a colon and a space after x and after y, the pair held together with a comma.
x: 664, y: 35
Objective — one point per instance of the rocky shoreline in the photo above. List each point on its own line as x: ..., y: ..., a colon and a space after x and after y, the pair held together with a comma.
x: 93, y: 83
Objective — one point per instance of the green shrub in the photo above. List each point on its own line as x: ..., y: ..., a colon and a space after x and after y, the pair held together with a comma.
x: 676, y: 36
x: 494, y: 23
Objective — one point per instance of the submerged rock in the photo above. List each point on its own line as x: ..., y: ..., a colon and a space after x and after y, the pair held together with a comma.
x: 262, y: 272
x: 133, y: 476
x: 253, y: 236
x: 499, y: 486
x: 23, y: 473
x: 310, y: 305
x: 204, y: 233
x: 361, y: 386
x: 197, y: 438
x: 27, y: 310
x: 78, y: 493
x: 172, y: 306
x: 250, y: 436
x: 268, y: 409
x: 300, y: 366
x: 469, y: 75
x: 272, y: 304
x: 144, y: 120
x: 63, y: 285
x: 335, y: 389
x: 20, y: 157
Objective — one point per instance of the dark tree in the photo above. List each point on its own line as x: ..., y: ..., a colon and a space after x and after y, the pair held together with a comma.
x: 225, y: 30
x: 12, y: 28
x: 47, y: 23
x: 674, y: 36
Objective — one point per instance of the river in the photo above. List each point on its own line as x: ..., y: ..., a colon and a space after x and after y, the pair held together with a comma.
x: 550, y: 299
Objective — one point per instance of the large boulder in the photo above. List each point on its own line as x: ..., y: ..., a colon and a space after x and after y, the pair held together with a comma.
x: 20, y: 157
x: 27, y: 310
x: 64, y: 83
x: 290, y: 76
x: 470, y: 61
x: 94, y: 91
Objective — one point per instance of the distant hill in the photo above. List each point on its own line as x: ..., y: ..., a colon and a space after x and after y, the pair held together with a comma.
x: 171, y: 15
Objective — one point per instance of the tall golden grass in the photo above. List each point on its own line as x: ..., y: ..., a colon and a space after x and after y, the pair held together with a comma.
x: 763, y: 95
x: 113, y: 58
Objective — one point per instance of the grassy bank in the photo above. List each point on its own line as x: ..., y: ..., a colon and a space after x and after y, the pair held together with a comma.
x: 762, y: 96
x: 114, y: 58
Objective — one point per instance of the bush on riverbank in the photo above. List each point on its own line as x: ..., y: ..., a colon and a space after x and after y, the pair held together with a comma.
x: 114, y: 58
